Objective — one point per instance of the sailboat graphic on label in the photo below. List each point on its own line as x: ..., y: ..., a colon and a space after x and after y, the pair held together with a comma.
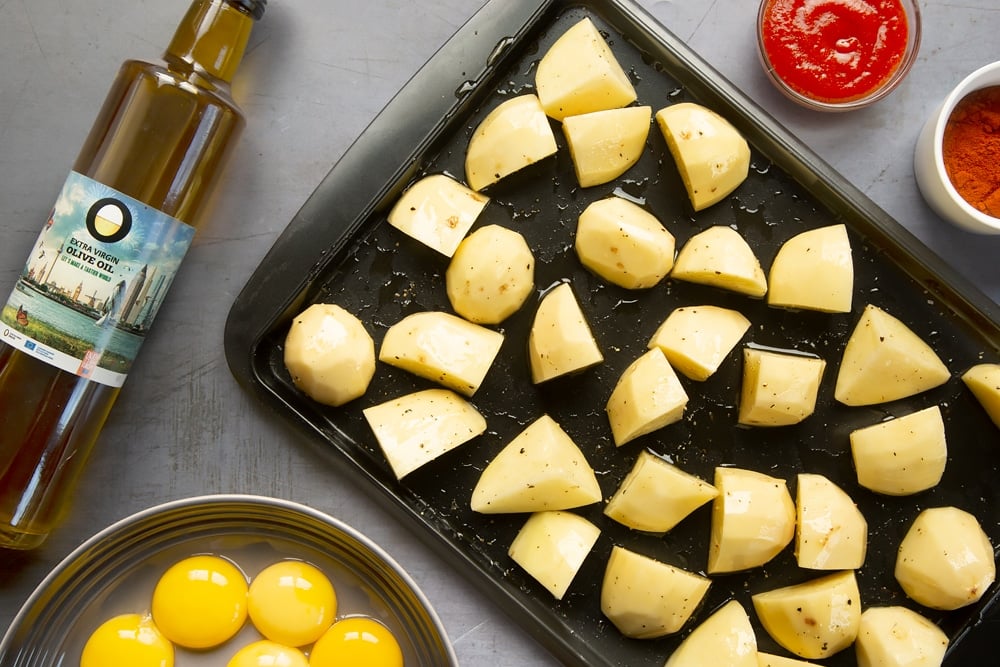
x: 113, y: 305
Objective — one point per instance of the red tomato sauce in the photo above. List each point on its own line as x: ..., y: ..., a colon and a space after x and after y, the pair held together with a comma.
x: 834, y: 50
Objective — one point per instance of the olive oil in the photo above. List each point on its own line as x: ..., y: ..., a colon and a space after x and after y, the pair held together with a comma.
x: 88, y: 292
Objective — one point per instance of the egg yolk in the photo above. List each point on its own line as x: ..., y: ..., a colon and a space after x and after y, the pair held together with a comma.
x: 292, y: 602
x: 129, y: 639
x: 268, y: 654
x: 356, y: 640
x: 200, y: 602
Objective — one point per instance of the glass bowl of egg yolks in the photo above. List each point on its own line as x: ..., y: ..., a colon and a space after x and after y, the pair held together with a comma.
x: 227, y: 581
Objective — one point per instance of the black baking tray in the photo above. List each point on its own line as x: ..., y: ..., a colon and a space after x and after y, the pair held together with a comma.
x: 339, y: 248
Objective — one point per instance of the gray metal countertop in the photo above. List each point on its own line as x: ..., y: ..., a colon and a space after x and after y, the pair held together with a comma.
x: 318, y: 71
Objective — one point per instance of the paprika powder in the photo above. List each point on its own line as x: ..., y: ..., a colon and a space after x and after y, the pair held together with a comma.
x: 971, y: 149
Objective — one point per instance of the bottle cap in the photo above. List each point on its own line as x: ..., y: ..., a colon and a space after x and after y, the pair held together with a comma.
x: 254, y: 8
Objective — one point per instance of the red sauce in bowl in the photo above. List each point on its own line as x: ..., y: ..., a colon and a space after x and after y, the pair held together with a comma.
x: 834, y: 51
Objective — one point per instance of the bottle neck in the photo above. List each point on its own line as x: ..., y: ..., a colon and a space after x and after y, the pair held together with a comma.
x: 211, y: 39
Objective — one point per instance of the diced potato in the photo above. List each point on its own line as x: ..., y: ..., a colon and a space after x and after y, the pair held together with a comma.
x: 656, y: 495
x: 560, y: 341
x: 417, y: 428
x: 540, y: 469
x: 624, y: 243
x: 438, y: 211
x: 647, y: 397
x: 779, y: 388
x: 329, y: 354
x: 579, y: 74
x: 753, y: 519
x: 724, y: 638
x: 605, y: 144
x: 512, y: 136
x: 945, y: 561
x: 712, y: 156
x: 899, y: 637
x: 832, y: 533
x: 697, y: 339
x: 814, y: 270
x: 552, y: 546
x: 491, y: 275
x: 885, y: 361
x: 815, y: 619
x: 984, y: 382
x: 443, y: 348
x: 720, y: 257
x: 901, y: 456
x: 768, y: 660
x: 645, y: 598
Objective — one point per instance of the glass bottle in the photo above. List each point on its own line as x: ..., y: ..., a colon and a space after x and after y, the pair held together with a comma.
x: 99, y: 270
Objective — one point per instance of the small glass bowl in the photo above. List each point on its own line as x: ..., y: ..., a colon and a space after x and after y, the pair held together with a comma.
x: 913, y: 24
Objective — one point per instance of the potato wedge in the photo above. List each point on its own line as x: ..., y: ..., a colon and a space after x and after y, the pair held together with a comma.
x: 983, y: 380
x: 884, y: 361
x: 540, y: 469
x: 329, y: 354
x: 605, y: 144
x: 724, y: 638
x: 945, y: 560
x: 624, y: 243
x: 512, y: 136
x: 560, y: 341
x: 417, y: 428
x: 579, y: 74
x: 815, y: 619
x: 438, y: 211
x: 656, y: 495
x: 898, y: 637
x: 813, y: 270
x: 697, y: 339
x: 443, y: 348
x: 712, y: 156
x: 491, y: 275
x: 768, y: 660
x: 753, y: 519
x: 831, y: 532
x: 720, y: 257
x: 645, y: 598
x: 647, y: 397
x: 901, y: 456
x: 779, y: 388
x: 552, y: 546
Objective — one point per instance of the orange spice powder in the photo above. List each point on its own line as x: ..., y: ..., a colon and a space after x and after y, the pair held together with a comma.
x: 971, y: 149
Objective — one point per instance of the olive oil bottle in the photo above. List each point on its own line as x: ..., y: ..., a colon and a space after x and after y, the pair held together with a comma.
x: 106, y: 257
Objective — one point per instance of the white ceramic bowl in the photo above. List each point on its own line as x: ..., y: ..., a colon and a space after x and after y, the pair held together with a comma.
x: 928, y: 161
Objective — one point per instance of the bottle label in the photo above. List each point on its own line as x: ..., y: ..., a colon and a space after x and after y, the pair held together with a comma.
x: 94, y: 280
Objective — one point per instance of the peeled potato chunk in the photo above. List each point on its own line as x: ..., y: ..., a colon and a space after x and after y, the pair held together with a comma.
x: 624, y: 243
x: 645, y: 598
x: 712, y: 156
x: 898, y: 637
x: 831, y: 533
x: 329, y: 354
x: 720, y: 257
x: 512, y: 136
x: 647, y: 397
x: 945, y: 560
x: 984, y: 382
x: 697, y: 339
x: 540, y: 469
x: 491, y: 275
x: 605, y: 144
x: 724, y: 638
x: 768, y: 660
x: 443, y: 348
x: 656, y: 495
x: 815, y: 619
x: 779, y: 388
x: 753, y: 519
x: 551, y: 546
x: 438, y: 211
x: 901, y: 456
x: 414, y: 429
x: 813, y: 270
x: 560, y: 341
x: 579, y: 74
x: 885, y: 361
